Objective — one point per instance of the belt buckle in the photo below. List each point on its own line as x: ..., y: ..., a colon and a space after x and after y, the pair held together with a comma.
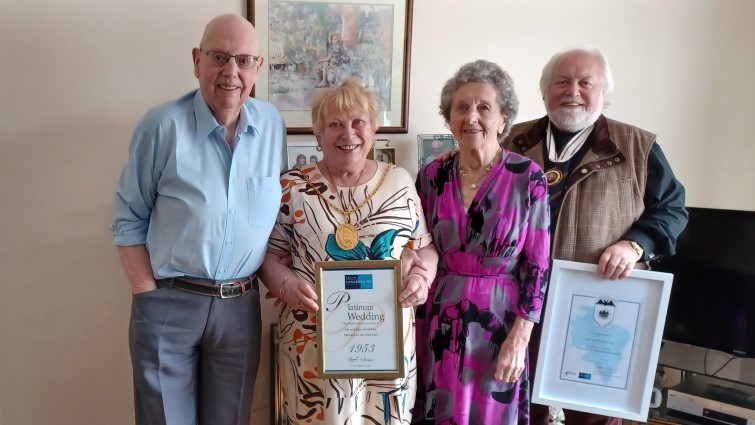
x: 227, y: 286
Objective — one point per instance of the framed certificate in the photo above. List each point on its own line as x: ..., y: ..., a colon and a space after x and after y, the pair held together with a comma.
x: 360, y: 321
x: 601, y: 339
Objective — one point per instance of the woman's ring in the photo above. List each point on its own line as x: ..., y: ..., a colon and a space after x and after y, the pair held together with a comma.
x: 623, y: 262
x: 298, y: 303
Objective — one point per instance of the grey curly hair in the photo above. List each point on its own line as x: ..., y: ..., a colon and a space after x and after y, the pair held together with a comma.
x: 482, y: 71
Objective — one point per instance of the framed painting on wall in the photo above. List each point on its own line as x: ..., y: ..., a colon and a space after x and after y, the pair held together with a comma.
x: 310, y: 44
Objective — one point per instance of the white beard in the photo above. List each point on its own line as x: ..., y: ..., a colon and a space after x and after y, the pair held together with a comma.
x: 573, y: 120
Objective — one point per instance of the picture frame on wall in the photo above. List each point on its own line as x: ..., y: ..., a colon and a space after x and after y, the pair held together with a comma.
x: 300, y: 153
x: 310, y: 44
x: 431, y: 145
x: 385, y: 154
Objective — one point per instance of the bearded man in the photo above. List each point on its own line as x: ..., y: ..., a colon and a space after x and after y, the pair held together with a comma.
x: 614, y: 200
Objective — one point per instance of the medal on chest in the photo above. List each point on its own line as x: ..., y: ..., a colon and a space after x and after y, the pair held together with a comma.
x: 347, y: 236
x: 554, y: 175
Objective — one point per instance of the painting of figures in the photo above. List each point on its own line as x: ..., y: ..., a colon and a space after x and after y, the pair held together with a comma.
x: 315, y: 45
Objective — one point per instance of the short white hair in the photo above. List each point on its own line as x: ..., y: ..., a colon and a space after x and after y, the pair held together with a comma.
x: 606, y: 75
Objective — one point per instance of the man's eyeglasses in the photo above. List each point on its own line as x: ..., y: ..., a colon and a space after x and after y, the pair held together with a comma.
x: 222, y: 58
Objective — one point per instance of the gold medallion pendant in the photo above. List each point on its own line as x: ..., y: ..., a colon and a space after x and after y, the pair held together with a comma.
x: 347, y: 236
x: 553, y: 176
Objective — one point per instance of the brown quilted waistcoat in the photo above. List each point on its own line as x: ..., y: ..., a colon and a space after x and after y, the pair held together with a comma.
x: 605, y: 190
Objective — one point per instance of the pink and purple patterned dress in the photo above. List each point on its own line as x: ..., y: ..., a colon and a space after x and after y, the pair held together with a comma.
x: 494, y: 263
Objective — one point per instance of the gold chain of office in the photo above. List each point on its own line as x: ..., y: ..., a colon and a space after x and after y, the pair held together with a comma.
x: 347, y: 236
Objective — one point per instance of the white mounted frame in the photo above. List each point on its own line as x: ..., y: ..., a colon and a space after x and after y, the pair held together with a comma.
x: 601, y: 339
x: 298, y: 151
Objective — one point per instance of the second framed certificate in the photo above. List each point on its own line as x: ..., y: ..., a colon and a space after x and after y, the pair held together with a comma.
x: 601, y: 339
x: 360, y: 322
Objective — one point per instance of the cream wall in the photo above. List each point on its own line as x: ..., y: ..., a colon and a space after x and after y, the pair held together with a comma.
x: 77, y: 75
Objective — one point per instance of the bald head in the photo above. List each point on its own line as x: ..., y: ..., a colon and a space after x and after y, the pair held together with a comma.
x: 234, y: 26
x: 225, y: 84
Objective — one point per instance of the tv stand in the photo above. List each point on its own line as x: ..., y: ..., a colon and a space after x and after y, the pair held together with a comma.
x: 721, y: 392
x: 725, y: 381
x: 703, y: 400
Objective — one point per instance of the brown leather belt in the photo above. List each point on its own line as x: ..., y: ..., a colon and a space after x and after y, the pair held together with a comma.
x: 209, y: 287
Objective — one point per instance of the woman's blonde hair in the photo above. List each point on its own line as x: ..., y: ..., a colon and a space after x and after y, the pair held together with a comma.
x: 347, y: 95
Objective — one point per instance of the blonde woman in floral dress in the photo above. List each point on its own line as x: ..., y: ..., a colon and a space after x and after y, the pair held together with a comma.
x: 344, y: 192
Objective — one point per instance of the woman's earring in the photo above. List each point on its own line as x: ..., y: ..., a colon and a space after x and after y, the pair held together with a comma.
x: 319, y: 148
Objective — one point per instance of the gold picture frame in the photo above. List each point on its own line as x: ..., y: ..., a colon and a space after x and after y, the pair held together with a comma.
x: 360, y: 321
x: 276, y: 398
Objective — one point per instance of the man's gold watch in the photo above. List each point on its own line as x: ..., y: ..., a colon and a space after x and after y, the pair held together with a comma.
x: 637, y: 249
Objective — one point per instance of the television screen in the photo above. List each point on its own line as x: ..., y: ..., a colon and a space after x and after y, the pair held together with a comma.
x: 712, y: 301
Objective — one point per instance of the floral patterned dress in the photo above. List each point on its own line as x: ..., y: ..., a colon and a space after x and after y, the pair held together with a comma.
x: 493, y: 268
x: 306, y: 225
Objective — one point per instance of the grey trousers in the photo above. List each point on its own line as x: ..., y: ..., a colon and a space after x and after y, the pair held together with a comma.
x: 194, y: 357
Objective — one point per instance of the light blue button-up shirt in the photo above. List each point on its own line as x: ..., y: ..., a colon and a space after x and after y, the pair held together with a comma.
x: 201, y: 209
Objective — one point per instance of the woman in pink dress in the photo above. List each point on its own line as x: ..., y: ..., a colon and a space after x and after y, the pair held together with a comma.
x: 487, y: 210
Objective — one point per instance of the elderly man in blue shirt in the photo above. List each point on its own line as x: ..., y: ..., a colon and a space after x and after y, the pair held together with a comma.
x: 193, y: 210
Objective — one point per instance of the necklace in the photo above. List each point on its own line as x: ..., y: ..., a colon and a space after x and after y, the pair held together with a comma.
x: 347, y: 235
x: 484, y: 173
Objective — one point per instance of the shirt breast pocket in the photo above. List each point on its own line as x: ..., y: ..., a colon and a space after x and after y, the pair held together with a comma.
x: 264, y: 201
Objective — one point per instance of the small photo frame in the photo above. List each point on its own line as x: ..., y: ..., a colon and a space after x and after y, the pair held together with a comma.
x: 301, y: 153
x: 385, y: 154
x: 601, y: 339
x: 432, y: 145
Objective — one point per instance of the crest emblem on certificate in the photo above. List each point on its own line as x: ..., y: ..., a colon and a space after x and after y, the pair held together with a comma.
x: 604, y: 311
